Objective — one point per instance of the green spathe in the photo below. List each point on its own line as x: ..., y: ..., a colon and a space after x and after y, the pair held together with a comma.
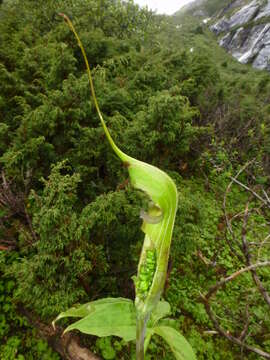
x: 161, y: 191
x: 119, y: 317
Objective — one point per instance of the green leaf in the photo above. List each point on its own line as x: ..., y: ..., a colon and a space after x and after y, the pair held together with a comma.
x: 76, y: 311
x: 84, y: 310
x: 106, y: 317
x: 162, y: 309
x: 177, y: 342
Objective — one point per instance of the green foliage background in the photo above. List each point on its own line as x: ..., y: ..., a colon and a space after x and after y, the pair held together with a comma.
x: 75, y: 226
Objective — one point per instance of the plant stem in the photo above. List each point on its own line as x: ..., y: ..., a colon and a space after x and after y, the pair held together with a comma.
x: 140, y: 335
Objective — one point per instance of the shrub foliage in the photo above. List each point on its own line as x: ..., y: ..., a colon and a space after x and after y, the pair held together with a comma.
x: 69, y: 219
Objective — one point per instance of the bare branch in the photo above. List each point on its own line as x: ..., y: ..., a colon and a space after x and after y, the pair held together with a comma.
x: 14, y: 201
x: 227, y: 334
x: 265, y: 202
x: 224, y: 281
x: 266, y: 196
x: 245, y: 244
x: 228, y: 222
x: 247, y: 254
x: 240, y: 247
x: 260, y: 287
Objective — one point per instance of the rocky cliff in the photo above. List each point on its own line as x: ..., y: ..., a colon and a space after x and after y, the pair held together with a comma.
x: 243, y: 28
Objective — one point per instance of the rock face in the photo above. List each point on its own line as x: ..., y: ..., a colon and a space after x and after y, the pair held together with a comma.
x: 244, y: 30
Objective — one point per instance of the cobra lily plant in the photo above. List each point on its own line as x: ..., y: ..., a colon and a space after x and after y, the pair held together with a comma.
x: 121, y: 317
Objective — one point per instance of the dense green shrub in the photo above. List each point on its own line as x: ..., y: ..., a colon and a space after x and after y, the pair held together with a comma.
x: 19, y: 340
x: 75, y: 217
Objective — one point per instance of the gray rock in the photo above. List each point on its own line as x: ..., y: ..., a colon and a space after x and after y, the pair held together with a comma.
x: 220, y: 26
x: 262, y: 61
x: 248, y: 44
x: 265, y: 11
x: 245, y: 14
x: 255, y: 42
x: 231, y: 40
x: 242, y: 16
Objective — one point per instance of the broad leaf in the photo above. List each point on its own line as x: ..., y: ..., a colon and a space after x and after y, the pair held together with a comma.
x: 162, y: 309
x: 177, y: 342
x: 106, y: 317
x: 84, y: 310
